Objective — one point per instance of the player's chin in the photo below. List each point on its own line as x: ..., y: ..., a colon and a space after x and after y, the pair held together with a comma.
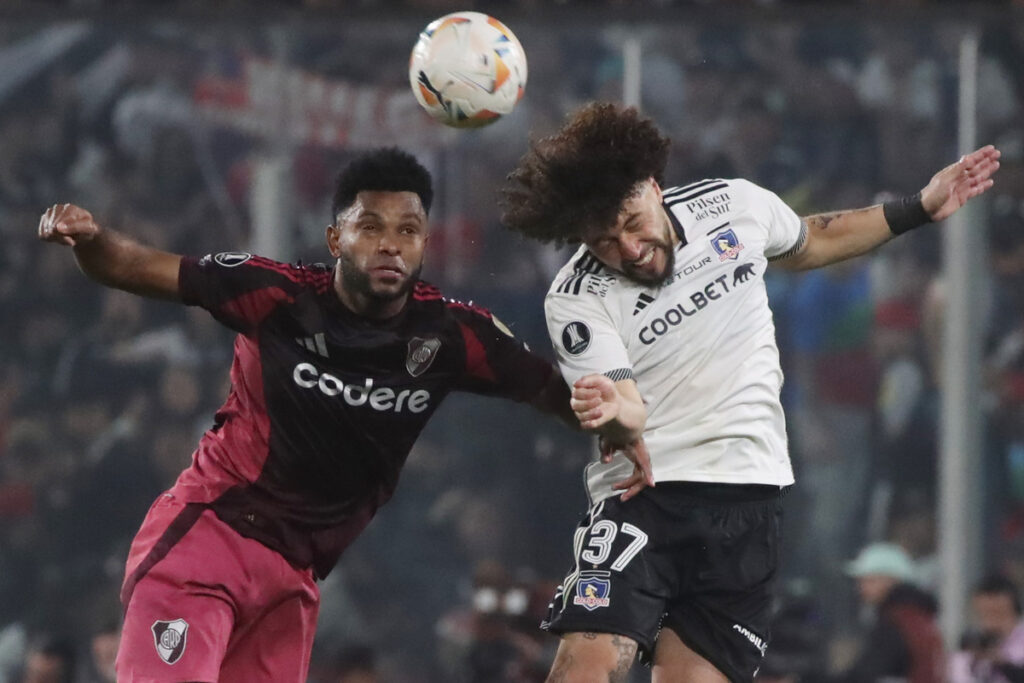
x: 646, y: 276
x: 391, y: 287
x: 654, y: 273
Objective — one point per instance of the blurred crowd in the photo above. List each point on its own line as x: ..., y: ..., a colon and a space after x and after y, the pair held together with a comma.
x: 171, y: 133
x: 492, y: 5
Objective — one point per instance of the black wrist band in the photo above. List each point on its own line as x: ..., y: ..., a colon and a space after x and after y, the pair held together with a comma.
x: 905, y: 213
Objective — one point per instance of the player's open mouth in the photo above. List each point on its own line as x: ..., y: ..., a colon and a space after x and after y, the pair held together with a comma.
x: 644, y: 260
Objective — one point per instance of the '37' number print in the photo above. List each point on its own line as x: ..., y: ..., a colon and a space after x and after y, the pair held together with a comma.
x: 602, y: 536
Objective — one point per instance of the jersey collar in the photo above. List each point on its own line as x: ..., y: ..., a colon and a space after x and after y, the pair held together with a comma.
x: 676, y: 226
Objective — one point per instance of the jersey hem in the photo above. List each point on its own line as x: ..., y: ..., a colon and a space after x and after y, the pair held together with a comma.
x: 697, y: 478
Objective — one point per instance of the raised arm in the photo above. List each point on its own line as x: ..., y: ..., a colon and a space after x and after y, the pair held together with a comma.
x: 110, y: 258
x: 840, y: 235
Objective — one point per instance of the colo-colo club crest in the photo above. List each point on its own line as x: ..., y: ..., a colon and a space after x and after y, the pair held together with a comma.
x: 422, y: 353
x: 170, y: 639
x: 592, y: 590
x: 727, y: 244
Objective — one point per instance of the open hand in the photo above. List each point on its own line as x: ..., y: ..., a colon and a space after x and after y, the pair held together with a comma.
x: 636, y: 452
x: 950, y: 188
x: 67, y: 224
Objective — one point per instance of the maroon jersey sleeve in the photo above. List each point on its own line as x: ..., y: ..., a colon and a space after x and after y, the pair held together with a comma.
x: 241, y: 290
x: 496, y: 362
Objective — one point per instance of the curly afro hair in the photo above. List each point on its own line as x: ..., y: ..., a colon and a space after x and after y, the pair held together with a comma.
x: 385, y: 169
x: 572, y: 184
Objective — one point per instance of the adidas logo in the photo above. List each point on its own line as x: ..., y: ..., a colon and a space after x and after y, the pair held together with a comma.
x: 642, y: 302
x: 317, y: 344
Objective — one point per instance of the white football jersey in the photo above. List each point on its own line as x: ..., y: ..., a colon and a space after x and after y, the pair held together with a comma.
x: 701, y: 347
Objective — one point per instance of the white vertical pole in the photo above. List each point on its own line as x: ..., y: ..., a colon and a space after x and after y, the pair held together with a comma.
x: 270, y: 196
x: 632, y: 72
x: 270, y: 206
x: 960, y: 451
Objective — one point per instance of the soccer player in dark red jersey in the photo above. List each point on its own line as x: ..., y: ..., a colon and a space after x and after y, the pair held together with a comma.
x: 336, y: 372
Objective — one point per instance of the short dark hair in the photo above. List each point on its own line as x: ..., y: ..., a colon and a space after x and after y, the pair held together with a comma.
x: 573, y: 183
x: 997, y: 584
x: 57, y: 647
x: 385, y: 169
x: 356, y: 658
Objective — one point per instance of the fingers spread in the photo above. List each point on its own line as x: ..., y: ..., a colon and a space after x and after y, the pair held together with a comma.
x: 632, y: 486
x: 635, y: 479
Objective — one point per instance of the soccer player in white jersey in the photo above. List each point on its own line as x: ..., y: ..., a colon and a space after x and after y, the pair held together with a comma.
x: 661, y: 323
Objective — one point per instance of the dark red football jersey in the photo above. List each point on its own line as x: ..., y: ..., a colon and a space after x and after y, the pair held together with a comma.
x: 325, y: 405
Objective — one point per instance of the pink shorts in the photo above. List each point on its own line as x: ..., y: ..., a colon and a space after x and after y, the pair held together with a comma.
x: 203, y: 603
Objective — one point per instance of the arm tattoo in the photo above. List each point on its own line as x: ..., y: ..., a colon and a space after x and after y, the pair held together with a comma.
x: 590, y: 635
x: 626, y: 650
x: 821, y: 221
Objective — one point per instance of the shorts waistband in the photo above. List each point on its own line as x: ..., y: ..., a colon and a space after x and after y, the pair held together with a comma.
x: 724, y: 493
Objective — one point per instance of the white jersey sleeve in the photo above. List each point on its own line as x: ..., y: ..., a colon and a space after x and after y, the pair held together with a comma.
x: 585, y: 336
x: 786, y: 231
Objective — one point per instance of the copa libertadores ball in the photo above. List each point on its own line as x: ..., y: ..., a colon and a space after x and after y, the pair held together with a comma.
x: 467, y: 69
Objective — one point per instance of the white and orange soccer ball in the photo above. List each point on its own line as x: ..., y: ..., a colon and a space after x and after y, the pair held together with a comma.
x: 467, y: 69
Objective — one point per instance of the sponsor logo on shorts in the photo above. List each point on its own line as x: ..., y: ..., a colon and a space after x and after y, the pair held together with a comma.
x: 169, y: 637
x: 756, y: 640
x: 592, y: 590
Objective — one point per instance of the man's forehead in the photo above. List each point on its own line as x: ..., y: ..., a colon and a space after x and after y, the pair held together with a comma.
x: 596, y: 233
x: 381, y: 199
x: 385, y: 203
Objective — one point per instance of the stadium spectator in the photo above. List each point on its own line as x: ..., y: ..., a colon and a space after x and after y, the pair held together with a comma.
x: 903, y: 641
x: 354, y: 665
x: 49, y: 660
x: 103, y: 653
x: 993, y: 651
x: 834, y: 379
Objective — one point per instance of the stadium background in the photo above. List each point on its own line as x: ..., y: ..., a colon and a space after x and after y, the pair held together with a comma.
x: 201, y: 131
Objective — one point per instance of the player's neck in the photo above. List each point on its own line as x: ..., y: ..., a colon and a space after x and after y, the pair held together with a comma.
x: 368, y: 306
x: 669, y: 228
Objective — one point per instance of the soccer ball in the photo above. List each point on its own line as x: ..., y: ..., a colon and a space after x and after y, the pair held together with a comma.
x: 467, y: 69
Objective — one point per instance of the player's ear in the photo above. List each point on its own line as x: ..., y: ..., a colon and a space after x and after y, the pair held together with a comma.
x: 334, y: 240
x: 657, y: 188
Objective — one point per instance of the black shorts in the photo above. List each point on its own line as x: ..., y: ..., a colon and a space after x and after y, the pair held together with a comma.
x: 699, y: 559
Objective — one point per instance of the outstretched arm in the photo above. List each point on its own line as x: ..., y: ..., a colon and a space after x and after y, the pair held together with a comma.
x: 840, y: 235
x: 110, y: 258
x: 554, y: 400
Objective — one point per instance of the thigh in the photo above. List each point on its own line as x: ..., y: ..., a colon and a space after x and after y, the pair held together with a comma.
x: 588, y: 657
x: 619, y: 583
x: 674, y: 661
x: 274, y: 646
x: 177, y: 625
x: 171, y: 636
x: 202, y: 600
x: 723, y: 608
